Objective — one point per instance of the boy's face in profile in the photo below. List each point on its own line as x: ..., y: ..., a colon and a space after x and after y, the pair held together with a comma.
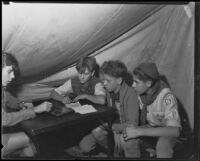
x: 139, y: 85
x: 85, y: 75
x: 110, y: 83
x: 7, y: 75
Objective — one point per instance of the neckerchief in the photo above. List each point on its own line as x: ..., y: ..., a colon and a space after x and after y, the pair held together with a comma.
x: 149, y: 98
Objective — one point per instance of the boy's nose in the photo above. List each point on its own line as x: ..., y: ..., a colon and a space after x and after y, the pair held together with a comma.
x: 12, y: 76
x: 82, y: 76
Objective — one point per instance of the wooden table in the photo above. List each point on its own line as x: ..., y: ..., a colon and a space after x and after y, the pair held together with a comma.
x: 47, y: 123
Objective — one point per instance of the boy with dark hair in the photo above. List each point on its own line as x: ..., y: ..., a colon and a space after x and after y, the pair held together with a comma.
x: 159, y: 118
x: 85, y: 87
x: 16, y: 141
x: 124, y: 99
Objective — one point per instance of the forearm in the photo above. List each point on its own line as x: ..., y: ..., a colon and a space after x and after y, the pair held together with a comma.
x: 98, y: 99
x: 54, y: 95
x: 10, y: 119
x: 159, y: 131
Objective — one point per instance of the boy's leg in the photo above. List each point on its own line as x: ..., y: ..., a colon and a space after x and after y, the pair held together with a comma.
x: 165, y: 147
x: 18, y: 141
x: 131, y: 148
x: 101, y: 136
x: 118, y: 149
x: 88, y: 143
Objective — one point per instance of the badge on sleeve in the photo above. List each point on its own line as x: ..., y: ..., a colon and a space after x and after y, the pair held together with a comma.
x: 169, y: 100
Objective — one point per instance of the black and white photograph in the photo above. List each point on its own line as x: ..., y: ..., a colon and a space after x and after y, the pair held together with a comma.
x: 104, y: 80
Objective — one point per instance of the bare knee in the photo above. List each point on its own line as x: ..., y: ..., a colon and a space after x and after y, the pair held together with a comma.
x: 164, y: 147
x: 87, y: 144
x: 132, y: 148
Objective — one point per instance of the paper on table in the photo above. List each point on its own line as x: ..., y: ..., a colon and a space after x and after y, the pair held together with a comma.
x: 85, y: 109
x: 81, y: 109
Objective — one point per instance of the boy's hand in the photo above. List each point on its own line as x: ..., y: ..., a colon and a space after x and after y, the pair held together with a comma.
x: 26, y: 105
x: 66, y: 100
x: 118, y: 128
x: 79, y: 97
x: 131, y: 132
x: 44, y: 107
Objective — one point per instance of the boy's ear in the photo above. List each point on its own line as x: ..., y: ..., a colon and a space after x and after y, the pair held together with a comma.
x: 119, y: 80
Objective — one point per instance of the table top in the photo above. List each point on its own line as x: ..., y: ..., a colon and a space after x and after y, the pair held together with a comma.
x: 46, y: 122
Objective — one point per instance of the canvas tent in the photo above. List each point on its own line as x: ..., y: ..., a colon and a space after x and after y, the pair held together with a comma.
x: 47, y: 39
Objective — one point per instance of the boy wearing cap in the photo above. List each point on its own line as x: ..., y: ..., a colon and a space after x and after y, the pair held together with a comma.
x: 124, y: 99
x: 159, y: 117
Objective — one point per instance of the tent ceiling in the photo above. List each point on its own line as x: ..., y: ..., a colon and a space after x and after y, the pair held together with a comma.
x: 49, y: 37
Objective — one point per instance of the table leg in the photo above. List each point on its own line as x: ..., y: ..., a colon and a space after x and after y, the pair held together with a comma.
x: 110, y: 139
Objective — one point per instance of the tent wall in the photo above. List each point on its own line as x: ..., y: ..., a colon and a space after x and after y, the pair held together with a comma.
x: 166, y: 38
x: 54, y: 36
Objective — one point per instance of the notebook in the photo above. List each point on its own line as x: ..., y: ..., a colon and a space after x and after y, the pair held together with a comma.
x: 82, y: 109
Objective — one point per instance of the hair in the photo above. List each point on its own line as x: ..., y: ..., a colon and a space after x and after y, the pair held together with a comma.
x: 143, y: 76
x: 10, y: 60
x: 115, y: 69
x: 86, y: 63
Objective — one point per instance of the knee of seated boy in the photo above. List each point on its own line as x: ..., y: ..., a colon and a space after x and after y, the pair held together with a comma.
x: 87, y: 144
x: 99, y: 133
x: 165, y: 147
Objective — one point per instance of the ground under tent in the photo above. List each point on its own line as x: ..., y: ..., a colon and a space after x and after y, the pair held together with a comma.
x: 47, y: 39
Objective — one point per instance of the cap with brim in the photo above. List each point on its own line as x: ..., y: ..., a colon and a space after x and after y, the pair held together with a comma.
x: 149, y: 69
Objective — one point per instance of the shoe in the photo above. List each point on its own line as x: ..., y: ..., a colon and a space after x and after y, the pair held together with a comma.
x: 74, y: 151
x: 100, y: 155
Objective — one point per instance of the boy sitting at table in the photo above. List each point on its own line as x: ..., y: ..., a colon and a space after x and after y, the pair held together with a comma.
x: 86, y: 87
x: 124, y: 99
x: 17, y: 143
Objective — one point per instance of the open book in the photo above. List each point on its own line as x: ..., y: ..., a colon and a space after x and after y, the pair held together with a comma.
x: 77, y: 107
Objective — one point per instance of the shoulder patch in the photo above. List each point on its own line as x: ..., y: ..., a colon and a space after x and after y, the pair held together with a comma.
x: 169, y: 99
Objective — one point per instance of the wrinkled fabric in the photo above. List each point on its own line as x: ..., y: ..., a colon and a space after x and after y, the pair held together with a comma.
x: 130, y: 33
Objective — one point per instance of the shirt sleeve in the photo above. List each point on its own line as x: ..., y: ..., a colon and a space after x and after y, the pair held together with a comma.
x: 99, y: 89
x: 12, y: 118
x: 171, y: 110
x: 65, y: 88
x: 11, y: 101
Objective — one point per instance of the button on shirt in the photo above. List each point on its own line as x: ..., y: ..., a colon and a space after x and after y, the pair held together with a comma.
x: 164, y: 110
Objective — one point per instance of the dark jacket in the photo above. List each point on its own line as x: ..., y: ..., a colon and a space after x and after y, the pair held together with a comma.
x: 129, y: 105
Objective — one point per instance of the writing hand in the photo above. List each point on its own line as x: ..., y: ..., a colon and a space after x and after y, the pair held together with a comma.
x: 83, y: 96
x: 44, y: 107
x: 28, y: 105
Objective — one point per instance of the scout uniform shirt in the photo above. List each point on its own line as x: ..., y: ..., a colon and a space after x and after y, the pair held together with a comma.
x: 164, y: 110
